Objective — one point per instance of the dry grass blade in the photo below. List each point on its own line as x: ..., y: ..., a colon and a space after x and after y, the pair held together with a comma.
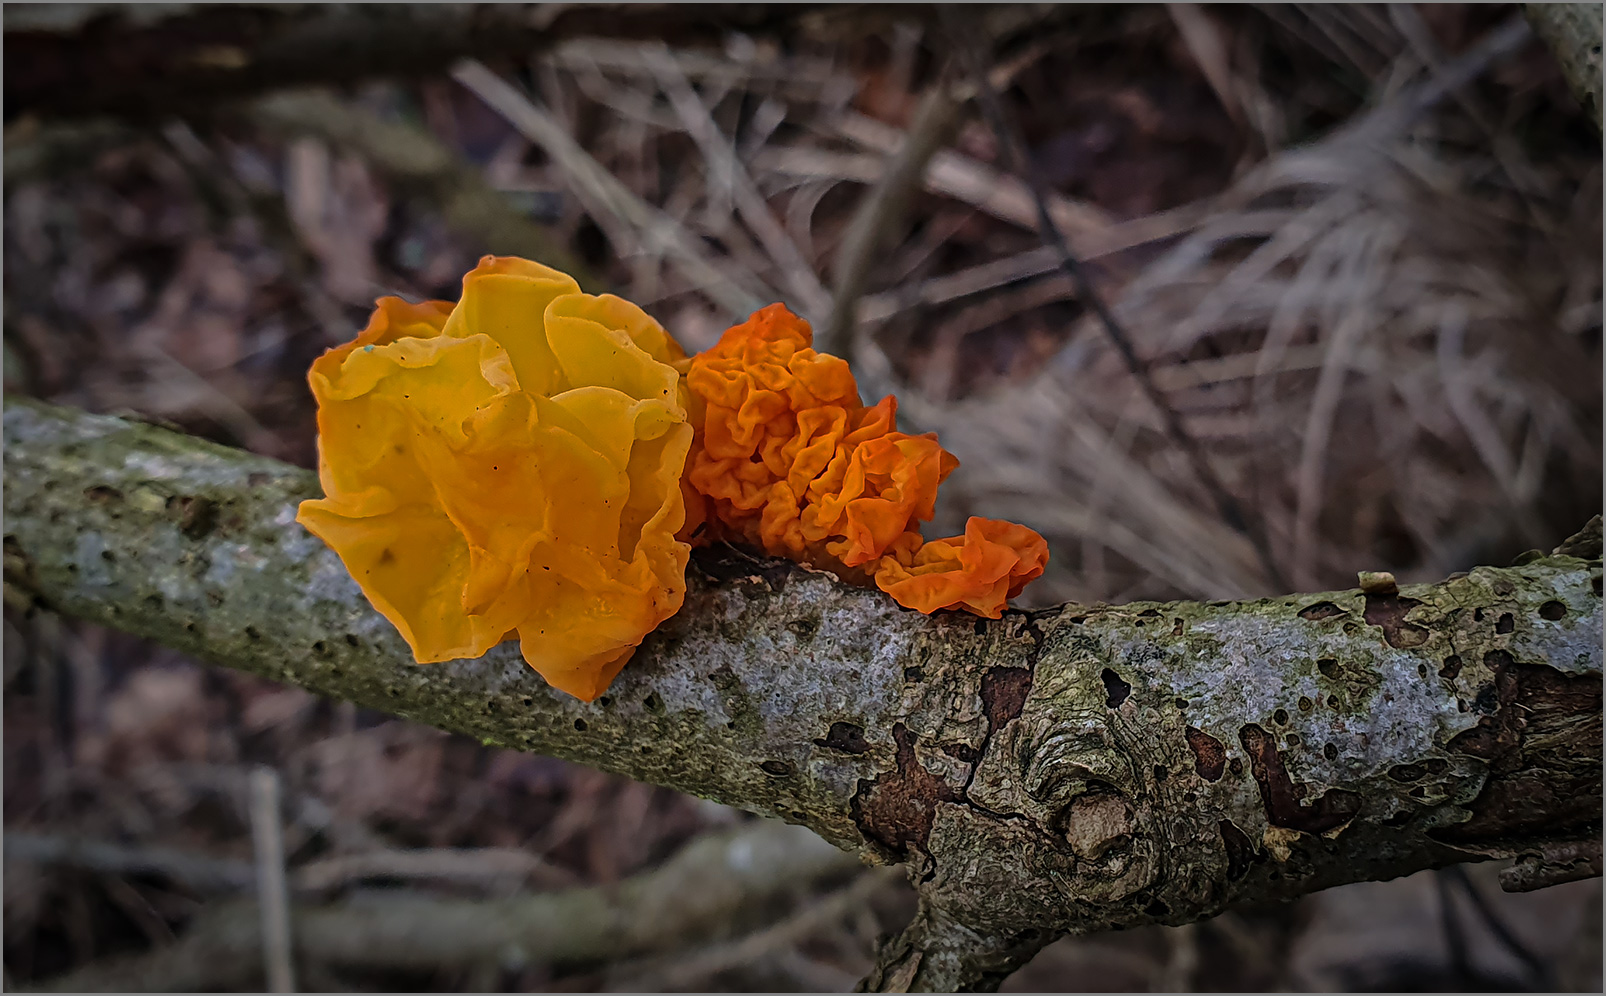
x: 1014, y: 151
x: 795, y: 272
x: 659, y: 234
x: 1339, y: 327
x: 273, y: 893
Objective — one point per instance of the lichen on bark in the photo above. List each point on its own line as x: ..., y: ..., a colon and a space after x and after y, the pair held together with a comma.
x: 1063, y: 770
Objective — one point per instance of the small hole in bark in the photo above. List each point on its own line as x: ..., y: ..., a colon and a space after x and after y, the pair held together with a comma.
x: 1157, y: 908
x: 1321, y: 610
x: 1351, y: 628
x: 913, y: 675
x: 321, y: 648
x: 108, y: 556
x: 1330, y: 752
x: 1552, y: 610
x: 1305, y: 704
x: 1182, y: 703
x: 1488, y: 700
x: 731, y: 725
x: 352, y: 641
x: 846, y: 737
x: 580, y: 725
x: 527, y: 701
x: 1477, y: 615
x: 1236, y: 766
x: 780, y: 769
x: 1176, y: 627
x: 1160, y: 773
x: 1421, y: 670
x: 1399, y: 819
x: 1280, y: 717
x: 1328, y: 667
x: 1293, y: 739
x: 980, y: 628
x: 651, y: 701
x: 1332, y: 701
x: 251, y: 632
x: 605, y: 701
x: 1115, y: 689
x: 1436, y: 765
x: 1505, y: 623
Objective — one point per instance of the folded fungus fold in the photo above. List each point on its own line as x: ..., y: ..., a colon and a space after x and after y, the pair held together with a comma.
x: 536, y: 461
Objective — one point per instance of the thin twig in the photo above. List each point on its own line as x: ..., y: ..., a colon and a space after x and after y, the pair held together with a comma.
x: 1540, y: 972
x: 273, y: 892
x: 703, y: 965
x: 209, y: 875
x: 1013, y: 154
x: 200, y: 873
x: 880, y: 214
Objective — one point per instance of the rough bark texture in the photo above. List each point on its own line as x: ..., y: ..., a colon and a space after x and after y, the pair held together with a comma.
x: 1073, y: 769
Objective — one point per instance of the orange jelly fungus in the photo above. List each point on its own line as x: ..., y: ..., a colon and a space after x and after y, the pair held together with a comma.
x: 787, y: 458
x: 509, y: 465
x: 979, y: 571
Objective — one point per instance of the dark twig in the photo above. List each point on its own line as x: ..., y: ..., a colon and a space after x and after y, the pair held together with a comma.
x: 1012, y: 152
x: 1455, y: 938
x: 1538, y: 970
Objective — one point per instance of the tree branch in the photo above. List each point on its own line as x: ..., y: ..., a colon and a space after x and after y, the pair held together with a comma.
x: 698, y: 891
x: 109, y: 59
x: 1065, y: 770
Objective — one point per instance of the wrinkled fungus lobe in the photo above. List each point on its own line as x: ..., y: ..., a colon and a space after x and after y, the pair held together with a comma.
x: 508, y: 465
x: 787, y: 458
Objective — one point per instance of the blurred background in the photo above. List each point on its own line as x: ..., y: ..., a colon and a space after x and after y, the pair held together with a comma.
x: 1355, y: 250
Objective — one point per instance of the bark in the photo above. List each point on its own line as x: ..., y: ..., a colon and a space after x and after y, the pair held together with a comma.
x: 1074, y: 769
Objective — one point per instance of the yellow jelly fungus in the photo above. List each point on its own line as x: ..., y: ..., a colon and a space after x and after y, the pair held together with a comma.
x: 509, y: 465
